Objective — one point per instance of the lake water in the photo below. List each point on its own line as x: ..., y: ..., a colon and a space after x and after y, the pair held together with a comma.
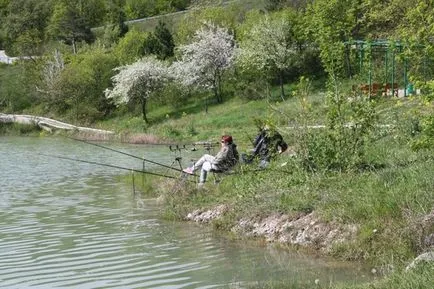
x: 66, y: 224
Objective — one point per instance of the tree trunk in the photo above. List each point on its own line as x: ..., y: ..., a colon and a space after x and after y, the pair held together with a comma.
x: 219, y: 83
x: 282, y: 90
x: 74, y: 46
x: 206, y: 104
x: 215, y: 89
x: 144, y: 110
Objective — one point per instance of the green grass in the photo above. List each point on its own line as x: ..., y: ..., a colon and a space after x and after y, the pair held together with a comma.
x: 191, y: 123
x: 386, y: 197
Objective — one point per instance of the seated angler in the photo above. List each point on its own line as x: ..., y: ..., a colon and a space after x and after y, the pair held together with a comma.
x: 266, y: 145
x: 225, y: 159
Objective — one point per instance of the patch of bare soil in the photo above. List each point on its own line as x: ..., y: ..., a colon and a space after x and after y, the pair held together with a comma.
x: 305, y: 229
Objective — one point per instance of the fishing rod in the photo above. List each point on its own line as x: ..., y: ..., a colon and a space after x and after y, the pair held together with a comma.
x: 127, y: 154
x: 110, y: 166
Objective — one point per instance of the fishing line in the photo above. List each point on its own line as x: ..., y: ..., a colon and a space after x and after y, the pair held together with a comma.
x: 110, y: 166
x: 127, y: 154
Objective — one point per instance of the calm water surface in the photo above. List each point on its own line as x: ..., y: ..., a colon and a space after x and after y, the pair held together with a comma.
x: 66, y: 224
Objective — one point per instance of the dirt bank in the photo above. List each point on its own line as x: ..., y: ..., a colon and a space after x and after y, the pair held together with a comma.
x: 306, y: 230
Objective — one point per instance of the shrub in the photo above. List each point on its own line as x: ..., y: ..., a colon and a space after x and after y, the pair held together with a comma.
x: 350, y: 122
x: 425, y: 138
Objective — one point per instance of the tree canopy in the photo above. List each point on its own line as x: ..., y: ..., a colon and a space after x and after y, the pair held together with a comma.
x: 137, y: 82
x: 203, y: 62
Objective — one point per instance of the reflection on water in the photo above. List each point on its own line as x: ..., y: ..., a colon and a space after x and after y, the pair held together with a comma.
x: 66, y: 224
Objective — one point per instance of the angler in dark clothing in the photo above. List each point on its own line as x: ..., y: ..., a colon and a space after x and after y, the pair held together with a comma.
x: 266, y: 145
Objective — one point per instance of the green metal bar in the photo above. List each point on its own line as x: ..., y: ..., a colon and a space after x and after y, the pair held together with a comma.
x: 386, y: 65
x: 370, y: 69
x: 424, y: 67
x: 405, y: 76
x: 361, y: 55
x: 393, y: 71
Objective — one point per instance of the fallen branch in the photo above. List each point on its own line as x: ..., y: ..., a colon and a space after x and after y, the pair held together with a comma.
x: 49, y: 124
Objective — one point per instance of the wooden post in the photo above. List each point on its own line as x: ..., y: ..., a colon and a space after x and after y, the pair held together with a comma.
x: 134, y: 186
x: 143, y: 175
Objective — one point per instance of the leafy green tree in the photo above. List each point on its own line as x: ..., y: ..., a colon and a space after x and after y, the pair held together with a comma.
x: 380, y: 19
x: 165, y: 40
x: 93, y: 11
x: 416, y: 32
x: 331, y: 23
x: 3, y: 7
x: 135, y: 9
x: 270, y: 47
x: 74, y: 81
x: 68, y: 24
x: 77, y: 87
x: 97, y: 67
x: 160, y: 42
x: 115, y: 18
x: 3, y: 13
x: 14, y: 94
x: 130, y: 48
x: 138, y: 81
x: 24, y: 25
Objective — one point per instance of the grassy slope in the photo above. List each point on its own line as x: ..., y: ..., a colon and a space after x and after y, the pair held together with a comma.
x: 388, y: 201
x: 187, y: 121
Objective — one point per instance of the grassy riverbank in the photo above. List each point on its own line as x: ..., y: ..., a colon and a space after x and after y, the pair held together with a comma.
x: 388, y: 198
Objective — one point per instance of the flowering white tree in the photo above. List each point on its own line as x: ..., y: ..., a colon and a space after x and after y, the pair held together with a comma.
x: 137, y: 82
x: 204, y: 61
x: 268, y: 47
x: 51, y: 75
